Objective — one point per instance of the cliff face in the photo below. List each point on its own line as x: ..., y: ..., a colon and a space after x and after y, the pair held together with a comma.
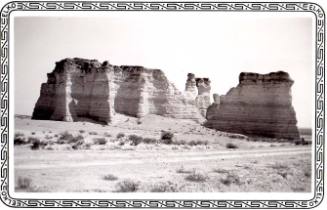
x: 87, y: 88
x: 261, y: 105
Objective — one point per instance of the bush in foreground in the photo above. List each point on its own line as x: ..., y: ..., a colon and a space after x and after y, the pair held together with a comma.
x: 231, y: 179
x: 110, y: 177
x: 36, y: 143
x: 167, y: 137
x: 231, y: 146
x: 196, y: 177
x: 24, y: 183
x: 135, y: 140
x: 19, y: 139
x: 164, y: 187
x: 68, y: 138
x: 100, y: 141
x: 120, y: 135
x: 127, y: 185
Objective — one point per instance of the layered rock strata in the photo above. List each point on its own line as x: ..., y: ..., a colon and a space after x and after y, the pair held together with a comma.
x: 261, y: 105
x: 202, y: 100
x: 79, y: 88
x: 198, y: 90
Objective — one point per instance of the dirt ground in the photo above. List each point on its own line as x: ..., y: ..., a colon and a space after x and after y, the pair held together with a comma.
x: 89, y: 157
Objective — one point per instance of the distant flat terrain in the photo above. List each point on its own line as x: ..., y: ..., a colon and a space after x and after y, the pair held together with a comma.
x: 90, y: 157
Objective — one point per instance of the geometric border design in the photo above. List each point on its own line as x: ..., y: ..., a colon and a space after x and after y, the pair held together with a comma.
x: 167, y: 6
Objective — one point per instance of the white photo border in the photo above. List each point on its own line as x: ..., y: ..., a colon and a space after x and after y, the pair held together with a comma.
x: 93, y: 6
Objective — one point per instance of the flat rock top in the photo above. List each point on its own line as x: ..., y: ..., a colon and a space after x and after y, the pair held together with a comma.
x: 90, y: 65
x: 273, y: 77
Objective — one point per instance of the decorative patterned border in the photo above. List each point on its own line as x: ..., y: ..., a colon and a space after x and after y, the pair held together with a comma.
x: 166, y: 6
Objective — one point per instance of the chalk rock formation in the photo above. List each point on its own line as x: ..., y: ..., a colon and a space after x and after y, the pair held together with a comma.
x: 191, y: 90
x: 261, y: 105
x: 202, y: 100
x: 87, y: 88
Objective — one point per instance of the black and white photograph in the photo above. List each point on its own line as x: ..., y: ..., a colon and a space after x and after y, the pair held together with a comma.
x: 187, y: 104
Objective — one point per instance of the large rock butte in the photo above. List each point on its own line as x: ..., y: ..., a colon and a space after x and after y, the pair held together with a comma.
x: 261, y: 105
x: 80, y: 88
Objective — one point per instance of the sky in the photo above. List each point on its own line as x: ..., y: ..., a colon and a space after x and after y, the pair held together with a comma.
x: 209, y: 44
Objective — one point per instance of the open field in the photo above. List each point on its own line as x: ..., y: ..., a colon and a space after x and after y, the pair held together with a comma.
x: 131, y: 155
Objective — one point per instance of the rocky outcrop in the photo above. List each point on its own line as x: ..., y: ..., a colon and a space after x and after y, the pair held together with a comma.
x: 202, y: 100
x: 79, y: 88
x: 191, y: 90
x: 261, y: 105
x: 198, y: 90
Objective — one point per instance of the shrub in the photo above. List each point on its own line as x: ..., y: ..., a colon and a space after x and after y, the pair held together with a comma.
x: 135, y: 140
x: 120, y: 135
x: 231, y: 146
x: 301, y: 142
x: 164, y: 187
x: 68, y: 138
x: 179, y: 142
x: 100, y: 141
x: 19, y: 139
x: 77, y: 145
x: 106, y: 134
x: 196, y: 177
x: 110, y: 177
x: 167, y: 137
x: 127, y: 185
x: 36, y: 143
x: 33, y: 133
x: 24, y: 183
x: 231, y: 179
x: 65, y: 137
x: 150, y: 140
x: 93, y: 133
x: 82, y: 131
x: 307, y: 174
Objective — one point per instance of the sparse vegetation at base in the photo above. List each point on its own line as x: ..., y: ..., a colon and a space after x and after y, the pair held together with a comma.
x: 231, y: 179
x: 231, y: 146
x: 196, y: 176
x: 68, y: 138
x: 164, y: 187
x: 120, y: 135
x: 150, y: 141
x: 19, y: 139
x: 24, y: 183
x: 127, y: 185
x: 135, y: 140
x: 110, y: 177
x: 93, y: 133
x: 167, y: 137
x: 106, y: 134
x: 100, y: 141
x: 36, y: 143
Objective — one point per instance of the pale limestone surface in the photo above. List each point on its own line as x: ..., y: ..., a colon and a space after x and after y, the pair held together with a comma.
x: 261, y: 105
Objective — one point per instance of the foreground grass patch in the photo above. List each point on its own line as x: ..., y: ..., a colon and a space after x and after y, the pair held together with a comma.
x: 127, y: 185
